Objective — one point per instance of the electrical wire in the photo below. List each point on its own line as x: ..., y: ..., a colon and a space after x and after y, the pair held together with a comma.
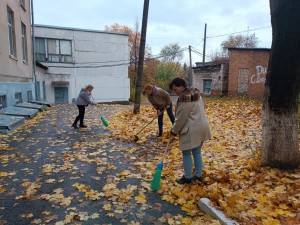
x: 221, y: 35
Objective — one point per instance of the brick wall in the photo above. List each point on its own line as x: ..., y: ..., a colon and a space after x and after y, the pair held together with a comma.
x: 247, y: 71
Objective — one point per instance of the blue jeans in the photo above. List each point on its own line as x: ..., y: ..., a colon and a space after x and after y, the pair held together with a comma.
x: 161, y: 117
x: 188, y: 164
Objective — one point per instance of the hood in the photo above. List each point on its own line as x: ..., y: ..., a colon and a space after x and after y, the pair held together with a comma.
x: 189, y: 95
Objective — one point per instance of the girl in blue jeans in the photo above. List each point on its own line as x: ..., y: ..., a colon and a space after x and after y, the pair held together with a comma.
x: 192, y: 127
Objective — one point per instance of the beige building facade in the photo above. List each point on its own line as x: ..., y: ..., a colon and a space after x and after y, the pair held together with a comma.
x: 15, y: 41
x: 16, y: 67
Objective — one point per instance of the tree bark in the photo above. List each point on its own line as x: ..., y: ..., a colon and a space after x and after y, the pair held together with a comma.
x: 280, y: 147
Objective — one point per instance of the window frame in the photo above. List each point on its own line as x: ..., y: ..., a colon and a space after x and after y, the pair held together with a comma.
x: 46, y: 56
x: 24, y: 42
x: 18, y: 97
x: 22, y: 4
x: 11, y: 33
x: 29, y: 96
x: 3, y: 101
x: 204, y: 87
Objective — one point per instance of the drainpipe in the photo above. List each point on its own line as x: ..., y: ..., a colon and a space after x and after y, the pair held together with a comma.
x: 33, y: 50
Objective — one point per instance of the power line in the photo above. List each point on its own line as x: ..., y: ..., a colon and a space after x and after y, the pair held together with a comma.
x: 260, y: 28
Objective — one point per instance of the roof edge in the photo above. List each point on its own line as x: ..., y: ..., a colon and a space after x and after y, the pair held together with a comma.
x: 79, y: 29
x: 250, y: 49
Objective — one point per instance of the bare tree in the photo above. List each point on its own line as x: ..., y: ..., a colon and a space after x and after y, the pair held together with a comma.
x: 241, y: 41
x: 234, y: 41
x: 280, y: 147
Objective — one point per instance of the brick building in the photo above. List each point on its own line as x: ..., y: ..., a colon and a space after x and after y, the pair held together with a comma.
x: 211, y: 78
x: 243, y: 74
x: 247, y: 71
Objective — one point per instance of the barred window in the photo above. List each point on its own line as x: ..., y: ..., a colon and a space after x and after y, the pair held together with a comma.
x: 18, y: 97
x: 3, y: 103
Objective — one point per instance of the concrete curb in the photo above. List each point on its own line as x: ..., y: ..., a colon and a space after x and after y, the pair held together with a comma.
x: 203, y: 204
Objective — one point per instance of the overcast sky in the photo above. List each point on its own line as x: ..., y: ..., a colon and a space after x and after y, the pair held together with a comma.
x: 169, y: 21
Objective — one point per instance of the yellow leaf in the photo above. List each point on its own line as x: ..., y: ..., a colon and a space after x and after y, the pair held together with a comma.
x: 271, y: 221
x: 107, y: 207
x: 141, y: 199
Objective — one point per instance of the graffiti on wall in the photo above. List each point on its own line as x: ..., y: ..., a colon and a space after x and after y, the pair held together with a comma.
x: 260, y: 76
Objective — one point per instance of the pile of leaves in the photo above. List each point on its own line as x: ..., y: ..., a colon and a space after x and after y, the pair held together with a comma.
x: 234, y: 180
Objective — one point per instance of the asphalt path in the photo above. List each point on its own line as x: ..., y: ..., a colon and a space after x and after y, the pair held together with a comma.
x: 51, y: 173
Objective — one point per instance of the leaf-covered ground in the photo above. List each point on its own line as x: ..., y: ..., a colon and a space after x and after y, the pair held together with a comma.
x: 233, y: 178
x: 53, y: 174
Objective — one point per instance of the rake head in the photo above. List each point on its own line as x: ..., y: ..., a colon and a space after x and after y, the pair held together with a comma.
x: 135, y: 138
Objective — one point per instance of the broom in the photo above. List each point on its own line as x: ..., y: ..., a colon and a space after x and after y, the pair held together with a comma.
x: 155, y: 183
x: 105, y: 123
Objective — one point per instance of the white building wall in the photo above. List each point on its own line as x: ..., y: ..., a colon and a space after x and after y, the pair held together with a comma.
x: 99, y: 58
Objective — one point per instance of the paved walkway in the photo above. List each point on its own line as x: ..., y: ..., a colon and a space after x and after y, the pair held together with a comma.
x: 53, y: 174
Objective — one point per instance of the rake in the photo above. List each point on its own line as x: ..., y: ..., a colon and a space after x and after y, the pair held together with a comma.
x: 136, y: 135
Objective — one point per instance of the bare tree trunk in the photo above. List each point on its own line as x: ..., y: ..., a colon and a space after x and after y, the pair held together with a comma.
x: 280, y: 147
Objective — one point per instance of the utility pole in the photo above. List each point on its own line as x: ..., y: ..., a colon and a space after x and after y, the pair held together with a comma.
x: 204, y: 45
x: 139, y: 80
x: 191, y: 68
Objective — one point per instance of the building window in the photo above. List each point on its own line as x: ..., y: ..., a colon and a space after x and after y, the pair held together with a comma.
x: 207, y: 86
x: 40, y: 49
x: 18, y: 97
x: 29, y: 96
x: 44, y: 91
x: 24, y: 42
x: 11, y: 33
x: 22, y: 3
x: 3, y: 103
x: 53, y: 50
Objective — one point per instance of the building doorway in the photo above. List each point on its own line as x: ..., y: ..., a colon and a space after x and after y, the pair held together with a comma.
x: 61, y: 94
